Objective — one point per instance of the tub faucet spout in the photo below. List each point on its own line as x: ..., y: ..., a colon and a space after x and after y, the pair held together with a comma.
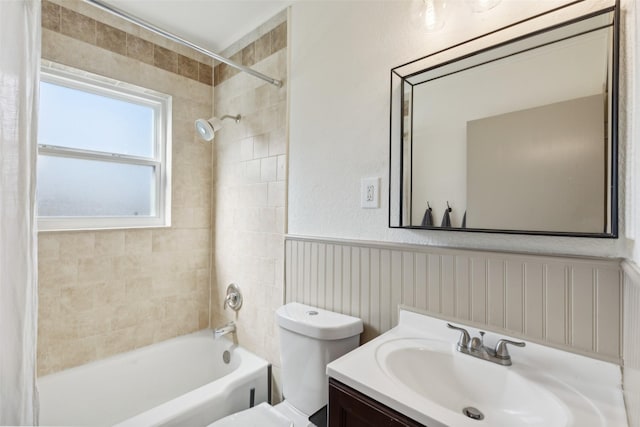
x: 229, y: 328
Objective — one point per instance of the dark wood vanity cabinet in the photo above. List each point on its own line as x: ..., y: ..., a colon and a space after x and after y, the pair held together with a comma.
x: 350, y: 408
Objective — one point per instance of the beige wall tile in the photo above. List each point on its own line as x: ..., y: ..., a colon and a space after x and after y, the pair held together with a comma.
x: 76, y: 298
x: 111, y: 38
x: 165, y: 59
x: 281, y: 173
x: 77, y: 245
x: 249, y: 203
x: 109, y: 243
x: 112, y: 293
x: 104, y: 292
x: 78, y: 26
x: 279, y: 37
x: 139, y: 49
x: 138, y: 288
x: 48, y: 247
x: 262, y: 48
x: 137, y: 241
x: 106, y: 18
x: 50, y: 15
x: 261, y: 146
x: 187, y: 67
x: 57, y: 273
x: 205, y: 74
x: 268, y: 169
x: 248, y: 55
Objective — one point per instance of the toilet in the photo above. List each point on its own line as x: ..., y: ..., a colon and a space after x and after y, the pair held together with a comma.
x: 310, y: 338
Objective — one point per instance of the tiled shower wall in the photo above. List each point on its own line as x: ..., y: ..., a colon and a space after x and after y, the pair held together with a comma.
x: 250, y: 188
x: 570, y: 303
x: 105, y: 292
x: 631, y: 372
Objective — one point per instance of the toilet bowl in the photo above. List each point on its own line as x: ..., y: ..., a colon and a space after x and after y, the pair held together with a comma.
x: 310, y: 338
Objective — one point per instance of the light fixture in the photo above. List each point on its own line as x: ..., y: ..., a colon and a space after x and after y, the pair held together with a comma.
x: 482, y: 5
x: 429, y: 14
x: 207, y: 128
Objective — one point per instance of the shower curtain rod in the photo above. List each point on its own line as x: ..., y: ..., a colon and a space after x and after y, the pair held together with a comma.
x: 144, y: 24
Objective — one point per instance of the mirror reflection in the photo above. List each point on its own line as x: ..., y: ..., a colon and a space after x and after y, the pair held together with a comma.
x: 516, y: 138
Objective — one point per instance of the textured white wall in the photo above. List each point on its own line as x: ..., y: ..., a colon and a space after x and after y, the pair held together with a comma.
x: 341, y: 57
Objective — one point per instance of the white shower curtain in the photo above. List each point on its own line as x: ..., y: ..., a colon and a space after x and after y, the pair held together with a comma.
x: 19, y: 79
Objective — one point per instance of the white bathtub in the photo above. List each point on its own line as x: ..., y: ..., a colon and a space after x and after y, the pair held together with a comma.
x: 179, y: 382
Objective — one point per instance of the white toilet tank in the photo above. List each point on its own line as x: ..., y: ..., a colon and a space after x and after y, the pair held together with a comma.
x: 310, y: 338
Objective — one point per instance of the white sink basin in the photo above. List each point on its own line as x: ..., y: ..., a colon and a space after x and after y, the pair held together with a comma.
x: 456, y: 381
x: 415, y: 369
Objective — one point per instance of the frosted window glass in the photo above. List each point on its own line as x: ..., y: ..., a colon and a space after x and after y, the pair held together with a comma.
x: 77, y: 187
x: 83, y: 120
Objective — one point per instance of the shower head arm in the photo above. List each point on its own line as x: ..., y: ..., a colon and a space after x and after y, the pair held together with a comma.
x: 207, y: 128
x: 236, y: 117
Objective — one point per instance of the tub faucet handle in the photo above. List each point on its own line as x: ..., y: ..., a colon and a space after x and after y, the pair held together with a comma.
x: 234, y: 298
x: 230, y: 300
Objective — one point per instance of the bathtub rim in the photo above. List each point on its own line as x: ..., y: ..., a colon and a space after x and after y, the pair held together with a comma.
x: 249, y: 368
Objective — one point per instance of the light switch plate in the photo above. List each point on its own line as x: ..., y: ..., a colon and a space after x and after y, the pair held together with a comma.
x: 370, y: 193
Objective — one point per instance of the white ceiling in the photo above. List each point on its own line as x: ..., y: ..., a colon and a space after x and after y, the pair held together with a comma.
x: 212, y: 24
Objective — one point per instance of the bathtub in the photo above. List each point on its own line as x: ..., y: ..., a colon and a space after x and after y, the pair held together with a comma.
x: 182, y: 381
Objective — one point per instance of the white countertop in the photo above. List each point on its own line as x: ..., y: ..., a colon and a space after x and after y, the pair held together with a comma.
x: 590, y: 390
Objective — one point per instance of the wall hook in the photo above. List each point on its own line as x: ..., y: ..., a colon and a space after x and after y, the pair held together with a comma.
x: 449, y: 208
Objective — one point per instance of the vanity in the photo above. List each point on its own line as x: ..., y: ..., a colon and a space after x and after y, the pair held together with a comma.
x: 416, y: 375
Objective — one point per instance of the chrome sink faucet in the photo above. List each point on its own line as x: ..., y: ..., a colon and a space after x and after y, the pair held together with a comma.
x: 475, y: 347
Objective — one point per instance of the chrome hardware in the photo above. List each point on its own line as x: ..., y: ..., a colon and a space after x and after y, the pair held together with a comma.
x: 475, y: 347
x: 234, y: 298
x: 502, y: 352
x: 477, y: 344
x: 229, y: 328
x: 473, y: 413
x: 463, y: 342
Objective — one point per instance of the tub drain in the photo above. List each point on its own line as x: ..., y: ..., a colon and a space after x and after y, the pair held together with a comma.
x: 473, y: 413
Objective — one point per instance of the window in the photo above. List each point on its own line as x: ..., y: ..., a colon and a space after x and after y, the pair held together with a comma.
x: 103, y: 154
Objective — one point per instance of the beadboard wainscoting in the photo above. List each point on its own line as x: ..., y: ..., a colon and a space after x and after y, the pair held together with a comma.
x: 570, y: 303
x: 631, y: 353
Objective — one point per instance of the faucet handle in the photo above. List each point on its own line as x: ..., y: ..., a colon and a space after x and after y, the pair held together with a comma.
x: 502, y: 352
x: 233, y: 299
x: 463, y: 342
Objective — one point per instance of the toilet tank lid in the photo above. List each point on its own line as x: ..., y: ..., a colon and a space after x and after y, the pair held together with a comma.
x: 317, y: 323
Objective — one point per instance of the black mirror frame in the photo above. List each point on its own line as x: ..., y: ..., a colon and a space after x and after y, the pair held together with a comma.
x: 396, y: 128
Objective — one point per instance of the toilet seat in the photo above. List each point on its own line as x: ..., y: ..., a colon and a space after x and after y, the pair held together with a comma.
x: 298, y: 418
x: 262, y: 415
x: 265, y: 415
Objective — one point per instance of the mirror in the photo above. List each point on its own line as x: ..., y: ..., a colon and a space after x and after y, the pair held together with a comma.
x: 516, y: 136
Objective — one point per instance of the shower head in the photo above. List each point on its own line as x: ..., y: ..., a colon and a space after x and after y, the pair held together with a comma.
x: 207, y: 128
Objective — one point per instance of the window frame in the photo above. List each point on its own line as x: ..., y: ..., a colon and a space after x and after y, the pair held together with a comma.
x: 161, y: 161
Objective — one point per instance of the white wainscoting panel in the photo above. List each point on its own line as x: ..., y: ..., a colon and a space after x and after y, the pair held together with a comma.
x: 631, y: 353
x: 571, y: 303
